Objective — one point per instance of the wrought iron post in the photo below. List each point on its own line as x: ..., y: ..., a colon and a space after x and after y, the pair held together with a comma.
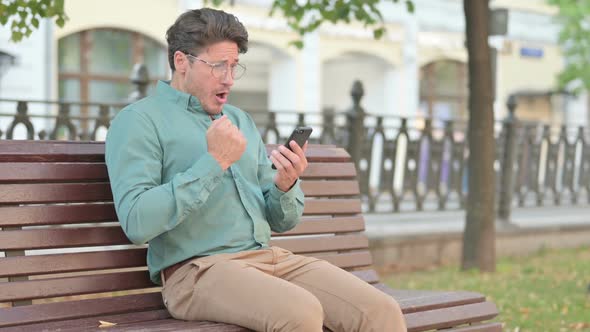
x: 140, y: 78
x: 21, y: 116
x: 328, y: 135
x: 271, y: 127
x: 508, y: 160
x: 356, y: 127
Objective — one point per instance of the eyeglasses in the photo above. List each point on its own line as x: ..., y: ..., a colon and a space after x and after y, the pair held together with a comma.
x: 219, y: 69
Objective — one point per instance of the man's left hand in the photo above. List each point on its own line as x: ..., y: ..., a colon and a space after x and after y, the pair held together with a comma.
x: 290, y: 164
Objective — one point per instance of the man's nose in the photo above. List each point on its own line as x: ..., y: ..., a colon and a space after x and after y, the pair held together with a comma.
x: 228, y: 78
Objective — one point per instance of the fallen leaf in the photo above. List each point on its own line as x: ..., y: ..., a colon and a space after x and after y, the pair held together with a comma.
x: 579, y: 326
x: 106, y: 324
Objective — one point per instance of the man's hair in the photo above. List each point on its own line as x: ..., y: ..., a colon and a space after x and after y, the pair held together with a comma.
x: 197, y: 29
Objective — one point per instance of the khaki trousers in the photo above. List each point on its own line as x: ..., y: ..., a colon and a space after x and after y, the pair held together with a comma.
x: 274, y: 290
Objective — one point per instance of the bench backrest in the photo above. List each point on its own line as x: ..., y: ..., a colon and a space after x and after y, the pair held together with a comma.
x: 60, y: 234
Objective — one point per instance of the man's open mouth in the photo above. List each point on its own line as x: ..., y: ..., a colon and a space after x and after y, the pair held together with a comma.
x: 222, y: 97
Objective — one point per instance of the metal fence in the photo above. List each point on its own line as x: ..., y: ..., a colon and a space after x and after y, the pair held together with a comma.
x: 404, y: 163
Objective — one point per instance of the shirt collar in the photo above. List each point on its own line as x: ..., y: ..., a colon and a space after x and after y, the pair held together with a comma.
x: 182, y: 99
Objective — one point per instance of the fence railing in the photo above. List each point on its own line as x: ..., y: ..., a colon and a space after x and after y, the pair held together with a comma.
x: 403, y: 163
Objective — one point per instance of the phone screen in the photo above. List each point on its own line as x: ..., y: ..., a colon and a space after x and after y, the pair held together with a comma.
x: 300, y: 135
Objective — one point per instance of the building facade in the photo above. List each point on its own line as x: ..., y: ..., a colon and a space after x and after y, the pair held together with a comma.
x: 418, y: 69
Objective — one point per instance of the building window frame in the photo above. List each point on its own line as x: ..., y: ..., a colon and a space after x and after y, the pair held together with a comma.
x: 429, y: 93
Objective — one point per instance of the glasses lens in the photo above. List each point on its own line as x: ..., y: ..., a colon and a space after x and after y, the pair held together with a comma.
x: 238, y: 71
x: 220, y: 71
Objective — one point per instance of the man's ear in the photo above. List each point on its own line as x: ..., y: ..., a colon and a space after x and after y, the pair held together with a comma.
x: 180, y: 62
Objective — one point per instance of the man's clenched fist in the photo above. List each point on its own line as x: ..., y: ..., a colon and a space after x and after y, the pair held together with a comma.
x: 225, y: 142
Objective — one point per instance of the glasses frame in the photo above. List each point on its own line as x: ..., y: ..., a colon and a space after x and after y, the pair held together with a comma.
x: 218, y: 65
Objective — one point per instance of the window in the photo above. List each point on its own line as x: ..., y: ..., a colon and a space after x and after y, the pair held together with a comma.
x: 94, y: 65
x: 443, y: 90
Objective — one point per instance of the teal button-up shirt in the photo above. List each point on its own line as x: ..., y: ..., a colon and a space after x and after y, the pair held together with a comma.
x: 171, y: 193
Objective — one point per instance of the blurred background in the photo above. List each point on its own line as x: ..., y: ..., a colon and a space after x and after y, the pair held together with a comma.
x: 417, y: 70
x: 398, y: 104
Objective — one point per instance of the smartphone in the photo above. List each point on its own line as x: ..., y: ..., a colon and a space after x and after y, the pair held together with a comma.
x: 300, y: 135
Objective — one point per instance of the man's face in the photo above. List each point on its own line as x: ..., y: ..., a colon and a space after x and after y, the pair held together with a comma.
x: 201, y: 80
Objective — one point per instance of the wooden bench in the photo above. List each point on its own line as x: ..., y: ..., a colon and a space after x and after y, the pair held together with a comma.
x: 68, y: 264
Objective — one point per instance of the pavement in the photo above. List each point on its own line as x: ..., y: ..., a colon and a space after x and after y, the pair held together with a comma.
x: 440, y: 222
x: 421, y: 240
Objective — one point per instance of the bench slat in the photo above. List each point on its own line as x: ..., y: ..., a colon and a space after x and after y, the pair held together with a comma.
x: 115, y: 259
x: 449, y: 317
x: 415, y: 324
x: 332, y: 206
x: 56, y: 214
x: 320, y: 153
x: 62, y: 238
x: 48, y: 151
x: 31, y: 239
x: 55, y: 287
x: 101, y: 191
x: 145, y: 321
x: 369, y: 276
x: 486, y: 327
x: 104, y: 212
x: 329, y: 170
x: 46, y: 312
x: 322, y: 243
x: 313, y: 188
x: 85, y: 324
x: 54, y: 193
x: 318, y: 225
x: 173, y: 325
x: 95, y: 172
x: 348, y: 260
x: 72, y: 262
x: 422, y: 300
x: 53, y: 172
x: 132, y: 322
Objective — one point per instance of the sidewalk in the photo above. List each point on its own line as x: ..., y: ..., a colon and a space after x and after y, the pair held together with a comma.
x: 422, y: 240
x: 437, y: 222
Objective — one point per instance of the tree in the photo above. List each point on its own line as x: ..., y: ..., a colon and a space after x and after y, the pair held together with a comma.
x: 305, y: 16
x: 479, y: 249
x: 574, y: 37
x: 302, y: 16
x: 24, y: 15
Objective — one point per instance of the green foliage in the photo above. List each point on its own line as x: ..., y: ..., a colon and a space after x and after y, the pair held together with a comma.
x: 305, y: 16
x: 574, y: 15
x: 24, y: 15
x: 547, y: 291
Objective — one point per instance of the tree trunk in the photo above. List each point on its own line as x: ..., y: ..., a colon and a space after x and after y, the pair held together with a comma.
x: 479, y: 249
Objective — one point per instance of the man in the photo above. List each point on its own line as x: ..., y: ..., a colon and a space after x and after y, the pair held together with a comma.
x: 190, y: 176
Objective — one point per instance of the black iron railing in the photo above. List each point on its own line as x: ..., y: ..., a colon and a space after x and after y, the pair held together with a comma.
x: 403, y: 163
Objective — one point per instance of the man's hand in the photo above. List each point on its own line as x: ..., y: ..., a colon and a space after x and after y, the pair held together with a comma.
x: 225, y: 142
x: 290, y: 164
